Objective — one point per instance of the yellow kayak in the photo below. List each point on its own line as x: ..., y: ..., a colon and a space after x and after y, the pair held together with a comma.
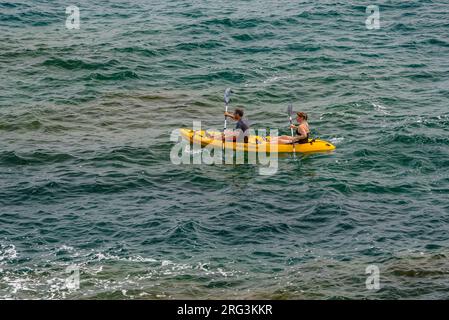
x: 255, y: 143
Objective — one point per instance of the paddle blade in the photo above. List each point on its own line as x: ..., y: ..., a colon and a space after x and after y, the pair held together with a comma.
x: 227, y: 95
x: 290, y: 110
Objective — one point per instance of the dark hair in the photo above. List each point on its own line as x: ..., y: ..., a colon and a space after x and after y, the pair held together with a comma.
x: 302, y: 115
x: 239, y: 112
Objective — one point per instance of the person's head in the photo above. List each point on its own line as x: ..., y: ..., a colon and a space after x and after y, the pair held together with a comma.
x: 301, y: 116
x: 238, y: 114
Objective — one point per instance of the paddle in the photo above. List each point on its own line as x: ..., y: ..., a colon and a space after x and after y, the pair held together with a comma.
x: 290, y: 111
x: 227, y: 99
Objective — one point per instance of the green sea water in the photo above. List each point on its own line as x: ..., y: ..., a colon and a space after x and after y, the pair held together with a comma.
x: 86, y: 179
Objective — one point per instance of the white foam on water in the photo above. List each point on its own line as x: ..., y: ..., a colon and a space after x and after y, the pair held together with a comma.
x: 52, y: 285
x: 141, y: 259
x: 336, y: 140
x: 166, y: 263
x: 380, y: 108
x: 66, y: 248
x: 276, y: 79
x: 7, y: 252
x: 224, y: 274
x: 201, y: 266
x: 101, y: 256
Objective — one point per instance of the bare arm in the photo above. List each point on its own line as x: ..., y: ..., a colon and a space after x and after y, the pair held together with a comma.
x: 230, y: 115
x: 302, y: 136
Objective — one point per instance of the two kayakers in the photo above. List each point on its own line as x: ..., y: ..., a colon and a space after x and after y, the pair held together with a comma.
x: 302, y: 131
x: 241, y: 131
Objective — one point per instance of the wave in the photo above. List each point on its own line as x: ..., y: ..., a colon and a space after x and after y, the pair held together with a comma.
x: 146, y: 52
x: 285, y: 22
x: 436, y: 42
x: 403, y: 27
x: 232, y: 76
x: 414, y: 139
x: 210, y: 44
x: 33, y: 158
x: 9, y: 5
x: 70, y: 186
x: 74, y: 64
x: 120, y: 75
x: 23, y: 125
x: 303, y: 47
x: 25, y: 15
x: 242, y: 23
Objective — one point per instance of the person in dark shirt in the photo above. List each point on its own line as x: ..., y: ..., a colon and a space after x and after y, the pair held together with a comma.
x: 241, y: 128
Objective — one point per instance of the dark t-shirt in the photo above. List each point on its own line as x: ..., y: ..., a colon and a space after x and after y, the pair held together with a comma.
x: 244, y: 126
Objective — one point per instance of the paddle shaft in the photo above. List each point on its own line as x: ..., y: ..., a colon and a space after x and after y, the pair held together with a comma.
x: 291, y: 130
x: 226, y: 110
